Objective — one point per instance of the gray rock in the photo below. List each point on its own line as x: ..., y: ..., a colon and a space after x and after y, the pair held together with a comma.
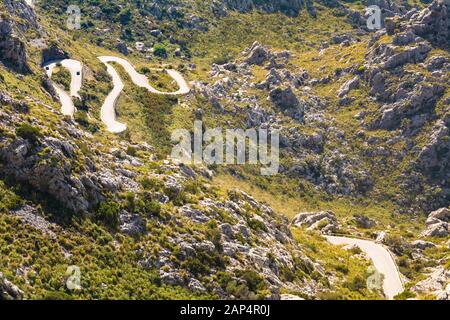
x: 349, y: 85
x: 436, y: 230
x: 284, y: 98
x: 227, y: 230
x: 338, y: 39
x: 437, y: 62
x: 53, y: 53
x: 405, y: 38
x: 435, y: 283
x: 12, y: 49
x: 132, y: 224
x: 381, y: 237
x: 435, y: 155
x: 6, y: 99
x: 155, y: 32
x: 219, y: 8
x: 422, y: 245
x: 194, y: 214
x: 31, y: 217
x: 122, y: 48
x: 257, y: 54
x: 8, y: 291
x: 196, y: 286
x: 324, y: 221
x: 364, y: 222
x: 442, y: 214
x: 419, y: 100
x: 432, y: 23
x: 438, y: 224
x: 171, y: 277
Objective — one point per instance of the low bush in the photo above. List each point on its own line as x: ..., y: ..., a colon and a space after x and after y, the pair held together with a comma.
x: 108, y: 214
x: 29, y: 132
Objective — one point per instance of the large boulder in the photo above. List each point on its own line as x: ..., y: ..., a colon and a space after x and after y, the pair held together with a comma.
x: 418, y: 101
x: 349, y: 85
x: 388, y: 56
x: 257, y: 54
x: 438, y: 224
x: 53, y: 52
x: 440, y: 215
x: 324, y: 221
x: 435, y: 155
x: 51, y: 172
x: 364, y: 222
x: 12, y: 49
x: 436, y: 283
x: 284, y: 98
x: 8, y: 291
x: 422, y: 245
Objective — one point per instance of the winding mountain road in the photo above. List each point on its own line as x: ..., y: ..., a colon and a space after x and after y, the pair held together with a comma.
x: 142, y: 81
x: 108, y: 111
x: 75, y: 68
x: 382, y: 260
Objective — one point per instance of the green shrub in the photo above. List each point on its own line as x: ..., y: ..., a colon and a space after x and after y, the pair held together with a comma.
x: 8, y: 200
x: 160, y: 50
x: 149, y: 208
x: 63, y: 78
x: 131, y: 151
x: 358, y: 283
x: 405, y: 295
x: 257, y: 225
x: 222, y: 59
x: 145, y: 70
x: 342, y: 268
x: 108, y: 214
x: 57, y: 295
x: 151, y: 184
x: 125, y: 16
x: 28, y: 132
x: 82, y: 118
x: 361, y: 69
x: 254, y: 281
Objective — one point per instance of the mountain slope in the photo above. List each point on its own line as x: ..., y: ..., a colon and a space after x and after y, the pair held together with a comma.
x: 363, y: 118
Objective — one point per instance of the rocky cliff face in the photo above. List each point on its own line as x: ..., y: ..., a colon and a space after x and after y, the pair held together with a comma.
x: 12, y: 49
x: 15, y: 22
x: 172, y: 223
x: 412, y: 104
x: 431, y: 23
